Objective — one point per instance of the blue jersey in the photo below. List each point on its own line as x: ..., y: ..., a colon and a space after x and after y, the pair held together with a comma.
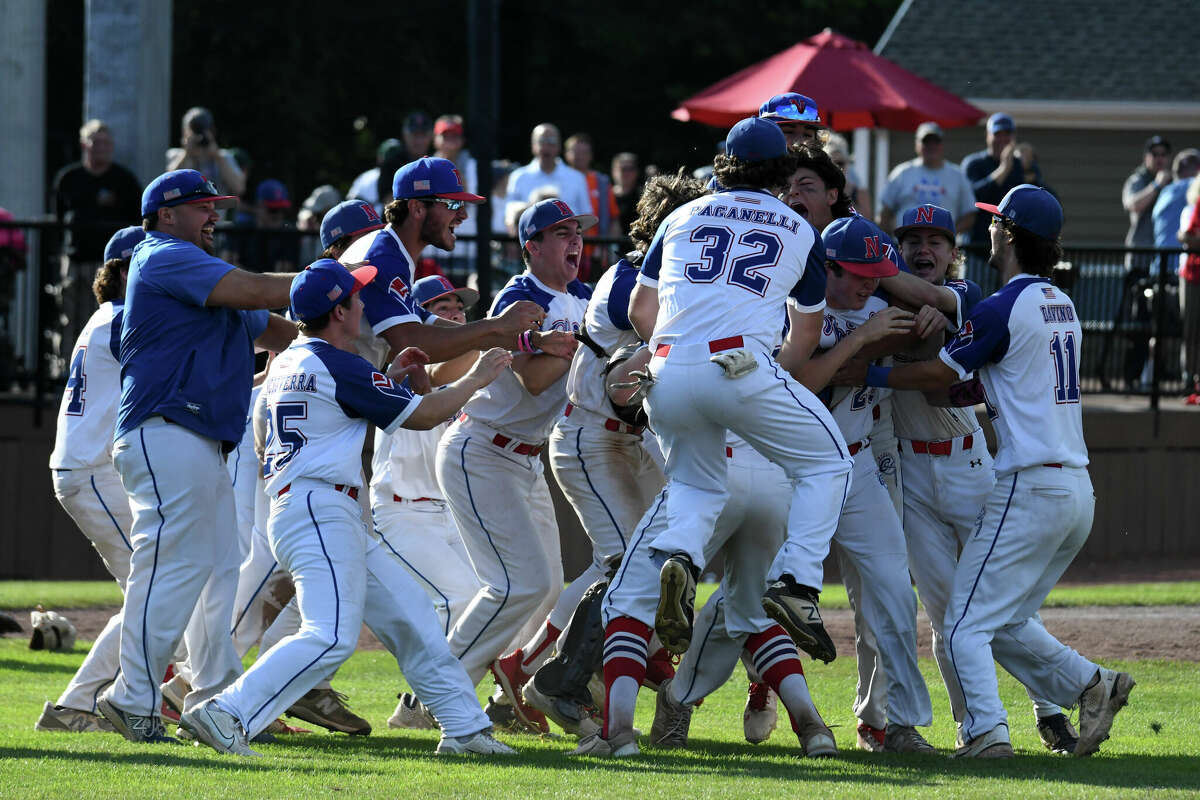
x: 319, y: 400
x: 388, y: 299
x: 1024, y: 342
x: 186, y: 361
x: 504, y: 404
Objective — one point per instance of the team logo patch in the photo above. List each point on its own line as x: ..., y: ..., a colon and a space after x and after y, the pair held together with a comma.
x: 924, y: 215
x: 966, y: 335
x: 371, y: 213
x: 976, y: 462
x: 381, y: 381
x: 398, y: 288
x: 871, y: 246
x: 563, y: 208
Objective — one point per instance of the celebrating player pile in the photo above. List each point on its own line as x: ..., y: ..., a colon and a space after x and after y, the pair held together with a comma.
x: 753, y: 353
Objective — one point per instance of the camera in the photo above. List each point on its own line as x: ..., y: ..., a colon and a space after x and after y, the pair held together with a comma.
x: 204, y: 140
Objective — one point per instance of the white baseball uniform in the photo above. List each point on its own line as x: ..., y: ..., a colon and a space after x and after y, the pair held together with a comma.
x: 414, y: 523
x: 1023, y: 342
x: 320, y: 399
x: 724, y: 265
x: 87, y: 485
x: 598, y: 460
x: 488, y: 467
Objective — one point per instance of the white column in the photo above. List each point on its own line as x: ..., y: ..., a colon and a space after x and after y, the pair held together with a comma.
x: 127, y: 78
x: 861, y: 144
x: 23, y: 151
x: 882, y: 143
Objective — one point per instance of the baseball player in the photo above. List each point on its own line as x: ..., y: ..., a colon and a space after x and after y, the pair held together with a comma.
x: 1023, y: 341
x: 343, y: 224
x: 711, y: 301
x: 186, y: 366
x: 944, y: 453
x: 85, y: 482
x: 488, y: 465
x: 798, y: 117
x: 320, y: 396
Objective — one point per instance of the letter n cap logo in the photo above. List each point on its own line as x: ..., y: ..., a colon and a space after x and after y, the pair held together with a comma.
x: 871, y: 246
x: 924, y: 215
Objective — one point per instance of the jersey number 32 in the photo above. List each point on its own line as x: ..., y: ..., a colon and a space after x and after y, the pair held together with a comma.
x: 764, y: 246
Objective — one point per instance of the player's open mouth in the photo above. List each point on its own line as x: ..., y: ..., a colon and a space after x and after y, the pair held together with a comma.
x: 800, y: 209
x: 573, y: 260
x: 207, y: 232
x: 923, y: 265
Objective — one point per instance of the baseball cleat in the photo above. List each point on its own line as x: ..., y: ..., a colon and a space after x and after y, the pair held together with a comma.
x: 1098, y: 705
x: 481, y: 743
x: 217, y: 728
x: 1058, y: 734
x: 327, y: 708
x: 676, y: 603
x: 279, y: 726
x: 816, y: 740
x: 905, y: 739
x: 510, y: 678
x: 795, y: 608
x: 870, y: 739
x: 411, y: 713
x: 173, y: 693
x: 566, y: 713
x: 993, y: 744
x: 71, y: 720
x: 761, y: 714
x: 133, y: 727
x: 671, y: 721
x: 622, y: 745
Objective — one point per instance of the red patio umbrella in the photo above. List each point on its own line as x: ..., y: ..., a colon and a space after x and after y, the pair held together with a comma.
x: 853, y: 87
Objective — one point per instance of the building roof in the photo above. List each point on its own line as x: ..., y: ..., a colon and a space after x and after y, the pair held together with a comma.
x: 1073, y: 50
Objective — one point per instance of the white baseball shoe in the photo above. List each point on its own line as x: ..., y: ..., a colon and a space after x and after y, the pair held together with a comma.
x: 217, y: 728
x: 622, y: 745
x: 1098, y: 705
x: 481, y: 743
x: 993, y: 744
x: 411, y: 713
x: 816, y: 740
x: 761, y: 714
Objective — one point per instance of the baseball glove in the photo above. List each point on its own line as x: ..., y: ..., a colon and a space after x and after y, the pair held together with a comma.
x: 51, y: 631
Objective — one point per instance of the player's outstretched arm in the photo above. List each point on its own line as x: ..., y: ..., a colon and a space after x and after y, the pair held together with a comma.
x: 818, y: 371
x: 538, y: 372
x: 437, y: 407
x: 912, y: 291
x: 445, y: 340
x: 804, y: 334
x: 239, y: 288
x: 278, y: 334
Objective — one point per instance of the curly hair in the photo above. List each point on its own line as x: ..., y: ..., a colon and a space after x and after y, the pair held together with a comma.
x: 1036, y: 255
x: 107, y: 285
x: 395, y: 212
x: 661, y: 195
x: 771, y: 174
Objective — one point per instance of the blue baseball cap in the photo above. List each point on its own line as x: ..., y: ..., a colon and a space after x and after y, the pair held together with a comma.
x: 1000, y: 122
x: 272, y: 194
x: 858, y: 246
x: 755, y: 139
x: 1030, y: 207
x: 323, y: 284
x: 927, y: 216
x: 180, y: 187
x: 434, y: 287
x: 791, y: 107
x: 348, y: 218
x: 123, y: 241
x: 545, y: 213
x: 431, y: 177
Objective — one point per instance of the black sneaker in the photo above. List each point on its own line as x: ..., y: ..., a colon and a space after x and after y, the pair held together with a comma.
x: 1058, y: 734
x: 133, y: 727
x: 795, y: 608
x: 676, y: 603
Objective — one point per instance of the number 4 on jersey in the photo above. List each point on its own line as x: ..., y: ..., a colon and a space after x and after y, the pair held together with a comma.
x: 1066, y: 368
x: 77, y: 383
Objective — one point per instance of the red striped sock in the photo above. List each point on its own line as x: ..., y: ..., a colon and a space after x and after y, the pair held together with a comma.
x: 625, y: 644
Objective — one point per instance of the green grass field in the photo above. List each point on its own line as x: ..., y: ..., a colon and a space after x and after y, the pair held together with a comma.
x: 1152, y: 752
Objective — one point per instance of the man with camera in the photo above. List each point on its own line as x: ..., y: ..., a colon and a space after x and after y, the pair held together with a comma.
x: 999, y: 167
x: 200, y: 152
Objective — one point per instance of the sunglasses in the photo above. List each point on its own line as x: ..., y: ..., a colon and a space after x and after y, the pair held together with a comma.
x: 453, y: 205
x: 999, y: 220
x: 794, y: 110
x: 204, y: 189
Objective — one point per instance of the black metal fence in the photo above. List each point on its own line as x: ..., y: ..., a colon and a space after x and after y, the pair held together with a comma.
x: 1127, y: 300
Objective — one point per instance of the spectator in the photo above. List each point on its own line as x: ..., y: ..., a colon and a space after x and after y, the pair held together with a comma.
x: 448, y: 141
x: 928, y: 180
x: 548, y: 170
x: 602, y: 204
x: 312, y: 212
x: 1173, y: 199
x: 498, y: 201
x: 418, y: 139
x: 627, y: 188
x: 366, y: 185
x: 1189, y: 287
x: 856, y: 189
x: 1139, y: 195
x: 97, y: 197
x: 998, y: 168
x: 201, y: 153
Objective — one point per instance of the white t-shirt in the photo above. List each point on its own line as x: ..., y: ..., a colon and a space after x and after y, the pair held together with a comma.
x: 568, y: 185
